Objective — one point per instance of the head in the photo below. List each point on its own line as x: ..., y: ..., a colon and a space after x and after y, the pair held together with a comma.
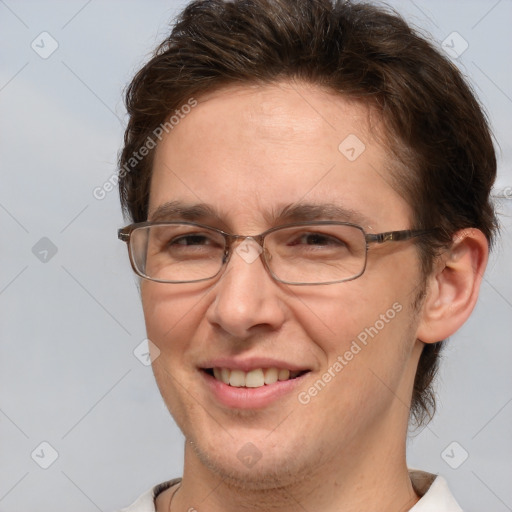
x: 246, y: 107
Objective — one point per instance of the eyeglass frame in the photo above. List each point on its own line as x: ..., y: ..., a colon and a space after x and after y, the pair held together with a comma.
x: 124, y: 234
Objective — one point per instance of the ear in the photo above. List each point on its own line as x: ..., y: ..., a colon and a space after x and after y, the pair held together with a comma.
x: 453, y: 287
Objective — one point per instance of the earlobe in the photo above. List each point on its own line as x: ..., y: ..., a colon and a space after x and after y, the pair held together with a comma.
x: 453, y: 287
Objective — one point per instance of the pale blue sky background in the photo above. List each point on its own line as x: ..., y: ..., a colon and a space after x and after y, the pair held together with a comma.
x: 69, y: 326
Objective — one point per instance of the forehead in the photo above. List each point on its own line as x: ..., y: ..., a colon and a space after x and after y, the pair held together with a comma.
x: 252, y: 152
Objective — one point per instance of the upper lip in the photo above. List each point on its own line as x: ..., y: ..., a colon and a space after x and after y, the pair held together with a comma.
x: 252, y: 363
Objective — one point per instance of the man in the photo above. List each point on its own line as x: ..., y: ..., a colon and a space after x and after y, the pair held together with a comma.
x: 309, y: 188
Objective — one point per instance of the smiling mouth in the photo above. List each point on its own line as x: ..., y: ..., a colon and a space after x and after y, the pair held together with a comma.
x: 256, y: 378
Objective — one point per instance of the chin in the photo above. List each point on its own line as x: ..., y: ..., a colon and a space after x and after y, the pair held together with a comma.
x: 250, y: 468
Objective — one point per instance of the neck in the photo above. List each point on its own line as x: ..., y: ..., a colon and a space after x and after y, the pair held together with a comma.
x: 369, y: 475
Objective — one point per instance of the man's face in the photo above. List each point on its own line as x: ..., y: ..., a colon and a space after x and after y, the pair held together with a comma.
x: 248, y: 153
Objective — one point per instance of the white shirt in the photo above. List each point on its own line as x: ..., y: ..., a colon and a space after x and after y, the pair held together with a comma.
x: 436, y: 497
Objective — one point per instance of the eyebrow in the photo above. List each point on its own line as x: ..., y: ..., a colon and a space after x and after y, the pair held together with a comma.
x: 299, y: 212
x: 295, y: 212
x: 174, y: 210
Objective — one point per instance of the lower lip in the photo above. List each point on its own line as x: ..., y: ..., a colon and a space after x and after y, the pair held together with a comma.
x: 250, y: 398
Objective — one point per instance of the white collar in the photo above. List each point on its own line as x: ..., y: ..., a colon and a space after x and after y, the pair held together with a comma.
x: 436, y: 496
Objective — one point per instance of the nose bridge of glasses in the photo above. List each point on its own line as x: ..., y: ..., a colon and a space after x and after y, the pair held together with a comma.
x: 248, y: 247
x: 240, y: 239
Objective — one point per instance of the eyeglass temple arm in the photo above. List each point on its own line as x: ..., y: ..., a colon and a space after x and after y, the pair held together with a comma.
x: 123, y: 234
x: 395, y: 236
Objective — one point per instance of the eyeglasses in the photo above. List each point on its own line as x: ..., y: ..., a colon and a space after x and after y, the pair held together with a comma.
x: 302, y: 253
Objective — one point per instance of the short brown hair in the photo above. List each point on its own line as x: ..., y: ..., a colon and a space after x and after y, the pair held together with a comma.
x: 433, y: 123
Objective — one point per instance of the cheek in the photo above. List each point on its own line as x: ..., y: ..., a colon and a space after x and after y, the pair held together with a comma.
x: 364, y: 357
x: 171, y: 315
x: 335, y: 316
x: 359, y: 337
x: 172, y: 318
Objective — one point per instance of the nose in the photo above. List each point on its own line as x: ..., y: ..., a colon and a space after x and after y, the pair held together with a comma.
x: 247, y: 299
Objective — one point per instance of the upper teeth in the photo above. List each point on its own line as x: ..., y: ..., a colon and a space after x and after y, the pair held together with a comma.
x: 253, y: 379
